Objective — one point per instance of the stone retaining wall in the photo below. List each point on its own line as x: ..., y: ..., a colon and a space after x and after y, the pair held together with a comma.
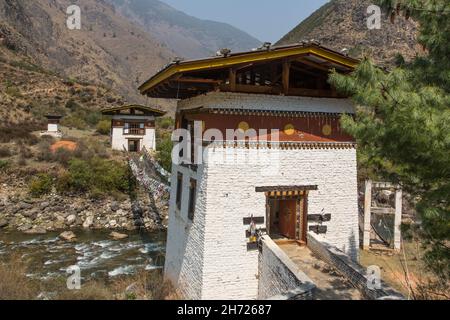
x: 279, y: 277
x: 353, y: 271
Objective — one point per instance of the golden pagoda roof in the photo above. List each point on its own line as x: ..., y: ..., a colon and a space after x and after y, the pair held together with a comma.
x: 183, y: 79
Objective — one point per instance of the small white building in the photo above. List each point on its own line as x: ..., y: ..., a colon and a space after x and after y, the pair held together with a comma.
x: 297, y: 175
x: 52, y: 126
x: 133, y: 127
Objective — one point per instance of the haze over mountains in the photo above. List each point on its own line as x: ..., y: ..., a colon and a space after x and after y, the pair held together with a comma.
x: 187, y: 36
x: 123, y: 42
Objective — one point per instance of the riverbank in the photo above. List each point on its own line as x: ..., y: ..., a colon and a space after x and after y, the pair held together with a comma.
x: 35, y: 266
x: 54, y: 212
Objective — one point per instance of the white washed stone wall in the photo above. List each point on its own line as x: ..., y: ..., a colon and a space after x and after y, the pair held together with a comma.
x: 279, y: 277
x: 208, y: 259
x: 210, y: 256
x: 185, y: 239
x: 119, y: 140
x: 52, y: 127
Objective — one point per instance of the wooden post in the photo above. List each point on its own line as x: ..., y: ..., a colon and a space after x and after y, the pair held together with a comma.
x: 398, y: 218
x: 367, y: 208
x: 232, y: 80
x: 286, y: 75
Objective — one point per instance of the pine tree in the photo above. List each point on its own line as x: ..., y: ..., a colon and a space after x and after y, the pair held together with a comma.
x: 402, y: 124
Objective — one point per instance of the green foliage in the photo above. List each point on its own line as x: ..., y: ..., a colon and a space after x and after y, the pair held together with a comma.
x: 80, y: 116
x: 104, y: 127
x: 13, y: 91
x: 165, y: 123
x: 4, y: 164
x: 72, y: 105
x: 40, y: 185
x: 74, y: 121
x: 96, y: 176
x: 403, y: 125
x: 164, y: 148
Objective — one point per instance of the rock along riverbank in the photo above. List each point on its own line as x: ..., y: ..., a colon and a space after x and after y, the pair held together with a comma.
x: 55, y: 212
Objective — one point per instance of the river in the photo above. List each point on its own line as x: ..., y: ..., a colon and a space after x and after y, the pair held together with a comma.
x: 97, y: 255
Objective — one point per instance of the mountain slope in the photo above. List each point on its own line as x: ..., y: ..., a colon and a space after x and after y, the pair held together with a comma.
x: 187, y: 36
x: 108, y: 50
x: 342, y: 24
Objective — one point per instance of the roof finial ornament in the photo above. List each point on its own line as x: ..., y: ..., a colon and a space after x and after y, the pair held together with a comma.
x: 177, y: 60
x: 223, y: 52
x: 267, y: 45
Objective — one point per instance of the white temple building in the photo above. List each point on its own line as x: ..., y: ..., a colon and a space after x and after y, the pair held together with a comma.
x: 289, y: 169
x: 52, y: 126
x: 133, y: 127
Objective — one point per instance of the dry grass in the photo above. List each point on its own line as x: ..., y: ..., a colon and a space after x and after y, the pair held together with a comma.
x: 406, y: 272
x: 14, y: 284
x: 145, y: 285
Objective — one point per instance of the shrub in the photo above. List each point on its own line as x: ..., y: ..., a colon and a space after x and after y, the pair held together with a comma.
x: 74, y: 121
x: 93, y: 118
x: 72, y: 104
x: 40, y: 185
x: 25, y: 152
x: 164, y: 148
x: 5, y: 152
x: 44, y: 153
x: 165, y: 122
x: 13, y: 91
x: 104, y: 127
x: 4, y: 165
x: 96, y: 176
x: 62, y: 155
x: 19, y: 132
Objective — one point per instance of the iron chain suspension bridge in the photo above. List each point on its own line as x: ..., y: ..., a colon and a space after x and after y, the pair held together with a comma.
x: 150, y: 175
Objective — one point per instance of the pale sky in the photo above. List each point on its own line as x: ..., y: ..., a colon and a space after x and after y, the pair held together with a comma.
x: 267, y: 20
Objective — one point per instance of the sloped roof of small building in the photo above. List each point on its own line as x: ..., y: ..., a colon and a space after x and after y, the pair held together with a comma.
x: 144, y: 109
x: 183, y: 79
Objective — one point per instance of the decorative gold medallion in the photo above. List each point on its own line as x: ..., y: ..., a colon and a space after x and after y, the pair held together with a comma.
x: 289, y: 129
x: 243, y: 126
x: 326, y: 130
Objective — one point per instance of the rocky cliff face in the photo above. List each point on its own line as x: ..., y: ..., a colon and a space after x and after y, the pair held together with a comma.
x: 342, y: 25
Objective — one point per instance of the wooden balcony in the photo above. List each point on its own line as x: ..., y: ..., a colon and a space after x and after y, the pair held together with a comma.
x: 134, y: 132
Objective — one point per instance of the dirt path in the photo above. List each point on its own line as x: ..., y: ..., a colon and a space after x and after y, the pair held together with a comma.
x: 330, y: 284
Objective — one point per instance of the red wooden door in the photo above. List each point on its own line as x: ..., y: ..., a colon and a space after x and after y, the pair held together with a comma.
x: 288, y: 218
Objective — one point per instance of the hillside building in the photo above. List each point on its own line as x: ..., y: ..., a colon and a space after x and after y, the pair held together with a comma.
x: 53, y: 126
x: 287, y: 169
x: 133, y: 127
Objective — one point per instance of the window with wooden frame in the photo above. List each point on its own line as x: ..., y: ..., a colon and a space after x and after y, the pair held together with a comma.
x: 179, y: 190
x: 192, y: 199
x: 134, y: 128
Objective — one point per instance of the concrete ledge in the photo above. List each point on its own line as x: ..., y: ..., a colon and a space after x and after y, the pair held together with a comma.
x: 353, y: 271
x: 279, y: 276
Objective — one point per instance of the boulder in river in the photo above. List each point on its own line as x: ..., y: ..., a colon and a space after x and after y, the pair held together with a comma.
x: 71, y: 219
x: 88, y: 222
x: 3, y: 223
x: 68, y: 236
x: 118, y: 236
x: 36, y: 230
